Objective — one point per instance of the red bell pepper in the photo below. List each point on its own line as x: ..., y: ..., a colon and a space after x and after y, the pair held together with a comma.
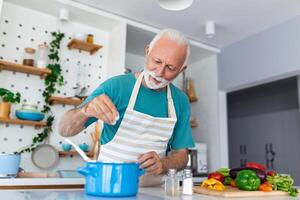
x: 218, y: 176
x: 256, y: 166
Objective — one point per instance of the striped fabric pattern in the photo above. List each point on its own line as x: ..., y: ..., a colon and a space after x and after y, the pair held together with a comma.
x: 139, y: 133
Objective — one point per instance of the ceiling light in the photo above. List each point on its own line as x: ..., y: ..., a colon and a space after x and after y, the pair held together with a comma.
x: 175, y: 4
x: 64, y: 14
x: 210, y: 29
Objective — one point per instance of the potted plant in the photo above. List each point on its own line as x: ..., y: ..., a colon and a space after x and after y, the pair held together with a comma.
x: 8, y: 98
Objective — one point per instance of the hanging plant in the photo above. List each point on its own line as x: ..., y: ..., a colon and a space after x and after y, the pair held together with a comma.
x: 52, y: 81
x: 9, y: 97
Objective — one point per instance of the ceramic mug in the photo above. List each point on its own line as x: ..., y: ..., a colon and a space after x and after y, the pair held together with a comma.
x: 66, y: 147
x: 84, y: 147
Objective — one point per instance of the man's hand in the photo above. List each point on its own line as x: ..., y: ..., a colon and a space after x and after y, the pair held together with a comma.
x: 102, y: 108
x: 155, y: 165
x: 152, y: 163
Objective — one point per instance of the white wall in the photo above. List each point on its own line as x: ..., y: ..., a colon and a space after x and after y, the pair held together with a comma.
x: 24, y: 27
x: 267, y: 56
x: 206, y: 109
x: 1, y: 3
x: 116, y: 51
x: 134, y: 62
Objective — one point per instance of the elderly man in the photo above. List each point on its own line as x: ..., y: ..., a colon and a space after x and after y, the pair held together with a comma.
x: 146, y: 118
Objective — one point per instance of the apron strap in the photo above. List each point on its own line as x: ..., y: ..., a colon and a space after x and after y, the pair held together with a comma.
x: 135, y: 91
x: 133, y: 97
x: 171, y: 109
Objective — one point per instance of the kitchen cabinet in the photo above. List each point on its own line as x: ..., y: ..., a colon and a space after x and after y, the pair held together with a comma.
x: 264, y: 127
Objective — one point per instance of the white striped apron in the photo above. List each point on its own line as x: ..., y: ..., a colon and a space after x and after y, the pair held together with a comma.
x: 140, y: 133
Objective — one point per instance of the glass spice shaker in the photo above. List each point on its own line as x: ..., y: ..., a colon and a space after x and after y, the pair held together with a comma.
x: 90, y: 38
x: 29, y: 56
x: 42, y: 56
x: 187, y: 182
x: 172, y: 183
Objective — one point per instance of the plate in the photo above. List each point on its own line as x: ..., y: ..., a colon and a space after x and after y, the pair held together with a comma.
x: 45, y: 156
x: 30, y: 115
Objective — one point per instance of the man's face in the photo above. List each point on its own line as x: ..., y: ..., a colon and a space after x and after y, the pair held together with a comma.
x: 165, y: 59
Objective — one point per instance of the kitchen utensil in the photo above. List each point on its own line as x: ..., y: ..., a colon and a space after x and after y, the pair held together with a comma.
x: 111, y: 179
x: 96, y: 137
x: 191, y: 92
x: 29, y: 115
x: 84, y: 147
x: 45, y: 156
x: 66, y: 147
x: 29, y: 55
x: 42, y: 56
x: 193, y: 160
x: 29, y: 106
x: 9, y: 166
x: 81, y: 153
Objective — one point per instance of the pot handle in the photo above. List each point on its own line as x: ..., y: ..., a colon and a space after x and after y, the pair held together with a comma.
x: 141, y: 172
x: 85, y: 171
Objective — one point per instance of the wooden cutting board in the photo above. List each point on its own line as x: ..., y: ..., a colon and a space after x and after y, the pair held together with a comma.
x: 234, y: 192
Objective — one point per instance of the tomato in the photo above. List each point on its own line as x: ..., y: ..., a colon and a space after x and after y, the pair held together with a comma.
x: 256, y: 166
x: 218, y: 176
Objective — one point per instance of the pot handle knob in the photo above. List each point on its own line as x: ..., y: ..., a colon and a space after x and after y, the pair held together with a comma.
x: 141, y: 172
x: 84, y: 171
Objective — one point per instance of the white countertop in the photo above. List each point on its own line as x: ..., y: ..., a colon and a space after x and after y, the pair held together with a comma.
x: 150, y: 193
x: 41, y: 181
x: 53, y: 181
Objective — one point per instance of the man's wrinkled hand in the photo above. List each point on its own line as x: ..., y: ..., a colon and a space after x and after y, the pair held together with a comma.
x: 102, y: 108
x: 152, y: 163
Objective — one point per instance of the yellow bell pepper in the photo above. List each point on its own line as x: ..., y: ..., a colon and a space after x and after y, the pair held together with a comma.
x: 213, y: 184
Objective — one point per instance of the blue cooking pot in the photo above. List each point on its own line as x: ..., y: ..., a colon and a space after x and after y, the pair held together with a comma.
x: 111, y: 179
x: 9, y: 165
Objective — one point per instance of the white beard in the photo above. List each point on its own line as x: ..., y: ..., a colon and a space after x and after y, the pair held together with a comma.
x: 152, y: 85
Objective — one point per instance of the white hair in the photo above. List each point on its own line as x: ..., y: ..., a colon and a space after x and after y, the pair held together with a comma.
x: 176, y: 36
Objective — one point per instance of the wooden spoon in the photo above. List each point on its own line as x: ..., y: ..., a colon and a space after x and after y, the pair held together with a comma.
x: 97, y: 137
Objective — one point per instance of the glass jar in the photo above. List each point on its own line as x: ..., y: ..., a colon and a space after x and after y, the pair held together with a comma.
x: 42, y: 56
x: 29, y: 55
x: 90, y: 38
x: 172, y: 183
x: 187, y: 182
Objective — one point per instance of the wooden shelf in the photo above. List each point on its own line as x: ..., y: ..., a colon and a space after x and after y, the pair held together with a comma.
x: 82, y: 45
x: 36, y: 124
x: 65, y: 100
x: 24, y: 69
x: 72, y: 153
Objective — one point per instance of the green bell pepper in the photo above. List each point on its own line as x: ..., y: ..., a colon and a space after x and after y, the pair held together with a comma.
x: 247, y: 180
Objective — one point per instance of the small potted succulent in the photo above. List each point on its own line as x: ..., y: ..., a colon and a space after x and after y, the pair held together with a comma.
x: 8, y: 98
